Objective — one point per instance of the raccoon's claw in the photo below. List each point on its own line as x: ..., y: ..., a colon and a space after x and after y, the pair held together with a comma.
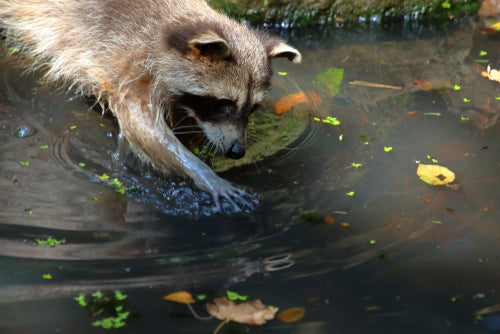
x: 223, y: 192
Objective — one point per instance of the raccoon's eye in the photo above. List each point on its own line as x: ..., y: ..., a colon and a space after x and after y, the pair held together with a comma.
x: 225, y: 106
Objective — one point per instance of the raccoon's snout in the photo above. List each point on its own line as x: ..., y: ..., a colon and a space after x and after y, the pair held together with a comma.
x: 236, y: 151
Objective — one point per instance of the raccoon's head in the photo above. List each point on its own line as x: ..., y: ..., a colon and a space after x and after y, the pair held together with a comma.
x: 219, y: 76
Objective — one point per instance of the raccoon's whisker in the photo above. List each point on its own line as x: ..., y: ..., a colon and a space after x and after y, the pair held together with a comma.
x: 185, y: 127
x: 179, y: 122
x: 187, y: 132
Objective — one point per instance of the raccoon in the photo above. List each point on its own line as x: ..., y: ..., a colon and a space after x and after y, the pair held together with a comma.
x: 146, y: 60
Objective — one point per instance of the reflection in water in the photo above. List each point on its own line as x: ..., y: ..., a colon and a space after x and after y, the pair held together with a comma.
x: 395, y: 255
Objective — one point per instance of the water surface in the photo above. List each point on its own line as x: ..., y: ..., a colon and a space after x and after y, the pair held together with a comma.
x: 401, y: 256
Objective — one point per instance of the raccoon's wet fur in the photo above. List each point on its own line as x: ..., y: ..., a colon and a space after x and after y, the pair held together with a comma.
x: 146, y: 60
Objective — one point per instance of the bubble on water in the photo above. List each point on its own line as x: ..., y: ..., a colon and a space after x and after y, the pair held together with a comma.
x: 24, y: 131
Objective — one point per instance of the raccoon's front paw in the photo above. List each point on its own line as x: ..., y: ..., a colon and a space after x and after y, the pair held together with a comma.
x: 225, y: 194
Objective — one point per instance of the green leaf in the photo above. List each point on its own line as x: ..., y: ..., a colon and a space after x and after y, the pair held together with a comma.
x: 97, y: 295
x: 81, y: 300
x: 351, y: 193
x: 235, y: 296
x: 47, y: 276
x: 44, y: 147
x: 81, y: 164
x: 436, y: 221
x: 282, y: 73
x: 372, y: 242
x: 466, y: 100
x: 24, y: 163
x: 72, y: 127
x: 457, y: 87
x: 330, y: 80
x: 120, y: 296
x: 483, y: 53
x: 446, y: 5
x: 201, y: 297
x: 356, y: 165
x: 387, y: 149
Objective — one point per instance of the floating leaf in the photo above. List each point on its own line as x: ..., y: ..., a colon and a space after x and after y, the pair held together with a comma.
x: 492, y: 74
x: 330, y: 80
x: 387, y: 149
x: 435, y: 175
x: 350, y: 193
x: 251, y: 313
x: 47, y: 276
x: 328, y: 120
x: 120, y: 296
x: 235, y: 296
x: 456, y: 87
x: 50, y: 241
x: 24, y: 163
x: 292, y: 314
x: 44, y: 147
x: 182, y: 297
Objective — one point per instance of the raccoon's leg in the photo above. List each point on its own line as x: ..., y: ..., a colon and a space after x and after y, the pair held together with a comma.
x: 155, y: 142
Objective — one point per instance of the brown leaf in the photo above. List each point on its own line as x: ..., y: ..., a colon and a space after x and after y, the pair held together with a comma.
x: 251, y: 313
x: 292, y: 314
x: 182, y: 297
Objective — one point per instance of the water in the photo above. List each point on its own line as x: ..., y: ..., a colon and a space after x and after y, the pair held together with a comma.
x: 401, y: 257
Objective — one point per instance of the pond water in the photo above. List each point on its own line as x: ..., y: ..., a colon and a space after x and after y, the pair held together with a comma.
x: 345, y: 228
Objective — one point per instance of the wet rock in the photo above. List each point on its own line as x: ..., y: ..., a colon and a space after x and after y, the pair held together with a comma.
x: 306, y: 12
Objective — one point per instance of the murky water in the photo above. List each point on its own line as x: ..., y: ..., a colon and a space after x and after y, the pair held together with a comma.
x: 354, y: 236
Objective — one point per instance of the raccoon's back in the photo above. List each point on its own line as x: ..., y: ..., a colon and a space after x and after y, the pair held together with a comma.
x: 79, y: 38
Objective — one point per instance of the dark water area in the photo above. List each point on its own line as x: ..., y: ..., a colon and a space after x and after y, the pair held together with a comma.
x: 345, y: 228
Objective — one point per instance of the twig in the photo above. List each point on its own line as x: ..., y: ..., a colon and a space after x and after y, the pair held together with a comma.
x: 220, y: 326
x: 196, y: 315
x: 372, y: 84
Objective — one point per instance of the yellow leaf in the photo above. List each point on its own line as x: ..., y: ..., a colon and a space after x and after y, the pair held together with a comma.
x: 182, y: 297
x: 292, y: 314
x: 435, y: 175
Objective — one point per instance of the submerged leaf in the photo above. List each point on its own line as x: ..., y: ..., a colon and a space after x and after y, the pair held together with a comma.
x: 292, y: 314
x: 330, y: 80
x: 251, y: 313
x: 182, y: 297
x: 435, y: 175
x: 423, y: 84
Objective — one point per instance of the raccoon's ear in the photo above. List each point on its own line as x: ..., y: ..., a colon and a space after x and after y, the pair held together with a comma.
x: 278, y: 49
x: 210, y: 44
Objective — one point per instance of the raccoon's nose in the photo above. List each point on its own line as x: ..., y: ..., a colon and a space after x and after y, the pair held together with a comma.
x: 236, y: 151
